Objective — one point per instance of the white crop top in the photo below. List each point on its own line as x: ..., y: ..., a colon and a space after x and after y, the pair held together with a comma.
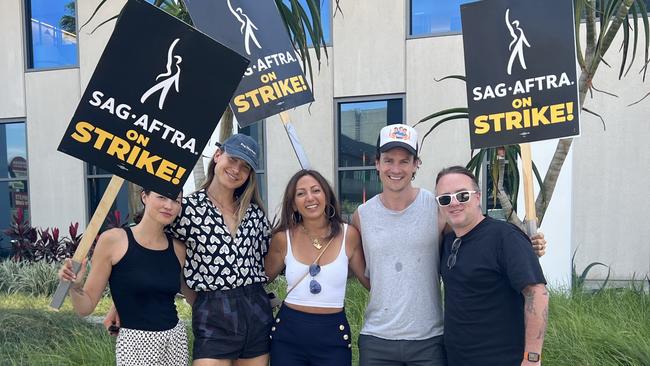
x: 332, y: 278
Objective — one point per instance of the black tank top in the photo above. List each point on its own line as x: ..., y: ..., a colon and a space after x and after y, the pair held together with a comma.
x: 143, y: 285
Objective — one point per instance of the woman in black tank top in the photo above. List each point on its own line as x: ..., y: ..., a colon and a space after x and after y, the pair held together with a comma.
x: 143, y: 265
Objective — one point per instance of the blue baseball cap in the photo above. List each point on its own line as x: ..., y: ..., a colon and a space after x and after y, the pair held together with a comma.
x: 243, y: 147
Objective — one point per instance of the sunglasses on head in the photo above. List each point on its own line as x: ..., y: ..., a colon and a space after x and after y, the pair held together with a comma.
x: 461, y: 197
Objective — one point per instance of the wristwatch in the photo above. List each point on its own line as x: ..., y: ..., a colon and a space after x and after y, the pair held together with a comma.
x: 532, y: 356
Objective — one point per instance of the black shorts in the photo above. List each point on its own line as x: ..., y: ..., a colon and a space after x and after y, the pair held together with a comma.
x: 231, y: 324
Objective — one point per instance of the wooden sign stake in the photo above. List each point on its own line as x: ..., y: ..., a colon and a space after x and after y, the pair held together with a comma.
x: 527, y: 168
x: 295, y: 142
x: 88, y: 237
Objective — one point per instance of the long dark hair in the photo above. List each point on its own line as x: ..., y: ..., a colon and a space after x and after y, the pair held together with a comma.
x: 290, y: 219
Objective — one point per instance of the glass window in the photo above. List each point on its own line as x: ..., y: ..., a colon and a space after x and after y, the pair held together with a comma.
x: 97, y: 180
x: 256, y: 131
x: 325, y: 19
x: 359, y: 123
x: 428, y: 17
x: 13, y: 178
x: 52, y: 33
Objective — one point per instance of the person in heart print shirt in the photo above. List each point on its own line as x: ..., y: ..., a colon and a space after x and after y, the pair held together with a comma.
x: 227, y: 235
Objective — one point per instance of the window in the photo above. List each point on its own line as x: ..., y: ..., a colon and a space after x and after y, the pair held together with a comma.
x: 325, y: 19
x: 51, y: 28
x: 359, y: 123
x: 256, y: 131
x: 97, y: 180
x: 429, y: 17
x: 13, y: 178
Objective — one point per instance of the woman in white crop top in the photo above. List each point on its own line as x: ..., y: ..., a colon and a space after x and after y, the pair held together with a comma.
x: 311, y: 327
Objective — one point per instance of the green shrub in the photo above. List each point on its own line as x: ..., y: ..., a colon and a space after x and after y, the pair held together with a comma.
x: 38, y: 278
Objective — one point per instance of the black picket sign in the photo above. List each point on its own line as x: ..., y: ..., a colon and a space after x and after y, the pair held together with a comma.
x: 154, y: 99
x: 520, y: 61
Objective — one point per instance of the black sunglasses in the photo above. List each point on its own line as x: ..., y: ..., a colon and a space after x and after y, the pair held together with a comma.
x: 314, y: 286
x: 461, y: 197
x: 451, y: 261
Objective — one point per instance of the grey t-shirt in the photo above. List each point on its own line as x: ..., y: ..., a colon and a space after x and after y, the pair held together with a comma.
x: 402, y: 254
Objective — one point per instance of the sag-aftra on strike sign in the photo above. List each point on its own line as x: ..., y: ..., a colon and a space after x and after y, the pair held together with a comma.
x: 154, y: 99
x: 520, y: 60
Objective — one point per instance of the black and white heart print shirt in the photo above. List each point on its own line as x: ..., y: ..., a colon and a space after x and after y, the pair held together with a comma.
x: 214, y: 260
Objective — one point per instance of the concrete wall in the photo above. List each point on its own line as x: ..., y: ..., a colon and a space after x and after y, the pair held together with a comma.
x: 56, y: 184
x: 611, y: 202
x: 598, y: 207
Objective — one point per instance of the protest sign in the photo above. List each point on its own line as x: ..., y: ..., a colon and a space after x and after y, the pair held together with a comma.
x: 520, y: 62
x: 154, y: 99
x: 274, y: 81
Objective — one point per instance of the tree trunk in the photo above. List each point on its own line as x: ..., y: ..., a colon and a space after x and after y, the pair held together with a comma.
x: 226, y: 125
x: 504, y: 200
x: 592, y: 61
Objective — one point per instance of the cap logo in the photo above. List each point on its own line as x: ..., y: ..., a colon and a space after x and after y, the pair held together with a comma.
x: 247, y: 148
x: 399, y: 133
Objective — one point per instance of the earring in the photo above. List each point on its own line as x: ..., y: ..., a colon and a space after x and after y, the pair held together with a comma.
x: 333, y: 210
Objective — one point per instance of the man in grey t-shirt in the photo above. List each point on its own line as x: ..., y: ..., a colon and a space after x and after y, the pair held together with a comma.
x: 400, y: 231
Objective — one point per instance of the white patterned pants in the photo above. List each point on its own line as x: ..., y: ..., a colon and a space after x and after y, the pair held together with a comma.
x: 141, y: 347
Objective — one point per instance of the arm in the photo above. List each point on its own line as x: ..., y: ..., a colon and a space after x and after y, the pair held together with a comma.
x: 535, y: 318
x: 179, y: 249
x: 357, y: 262
x: 274, y: 260
x: 85, y: 298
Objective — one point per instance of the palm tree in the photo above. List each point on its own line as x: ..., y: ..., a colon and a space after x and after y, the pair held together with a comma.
x: 632, y: 17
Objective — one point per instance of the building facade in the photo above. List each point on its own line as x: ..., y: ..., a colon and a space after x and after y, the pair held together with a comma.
x: 383, y: 59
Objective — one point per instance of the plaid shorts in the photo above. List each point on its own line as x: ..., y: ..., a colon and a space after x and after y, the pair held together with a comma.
x: 231, y: 324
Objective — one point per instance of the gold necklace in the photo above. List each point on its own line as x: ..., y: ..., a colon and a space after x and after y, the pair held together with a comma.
x: 314, y: 241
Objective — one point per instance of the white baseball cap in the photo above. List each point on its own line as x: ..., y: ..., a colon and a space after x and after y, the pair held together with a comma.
x: 399, y: 135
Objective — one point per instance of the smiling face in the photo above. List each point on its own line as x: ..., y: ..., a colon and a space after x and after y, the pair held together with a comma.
x: 396, y: 168
x: 160, y: 208
x: 310, y: 199
x: 462, y: 217
x: 230, y: 171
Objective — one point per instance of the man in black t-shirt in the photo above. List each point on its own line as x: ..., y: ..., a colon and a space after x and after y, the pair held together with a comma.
x: 496, y: 302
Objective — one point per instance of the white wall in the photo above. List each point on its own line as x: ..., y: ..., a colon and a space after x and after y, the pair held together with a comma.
x: 12, y: 60
x: 56, y: 184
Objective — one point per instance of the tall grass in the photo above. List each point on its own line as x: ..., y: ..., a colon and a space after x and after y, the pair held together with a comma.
x: 611, y: 327
x: 608, y: 328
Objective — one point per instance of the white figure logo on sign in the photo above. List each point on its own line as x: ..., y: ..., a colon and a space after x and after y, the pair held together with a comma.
x: 247, y: 27
x: 169, y: 79
x: 516, y: 46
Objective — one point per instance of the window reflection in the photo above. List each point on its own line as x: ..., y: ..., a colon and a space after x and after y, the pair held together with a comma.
x: 52, y: 29
x: 435, y: 17
x: 14, y: 194
x: 359, y: 123
x: 325, y: 19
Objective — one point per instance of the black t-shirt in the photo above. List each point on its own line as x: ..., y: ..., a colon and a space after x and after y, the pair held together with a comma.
x: 484, y: 307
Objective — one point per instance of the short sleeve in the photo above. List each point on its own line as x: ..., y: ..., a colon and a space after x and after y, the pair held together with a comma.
x: 179, y: 227
x: 519, y: 261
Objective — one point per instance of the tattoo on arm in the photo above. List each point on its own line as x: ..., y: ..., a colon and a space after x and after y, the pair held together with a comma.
x: 529, y: 301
